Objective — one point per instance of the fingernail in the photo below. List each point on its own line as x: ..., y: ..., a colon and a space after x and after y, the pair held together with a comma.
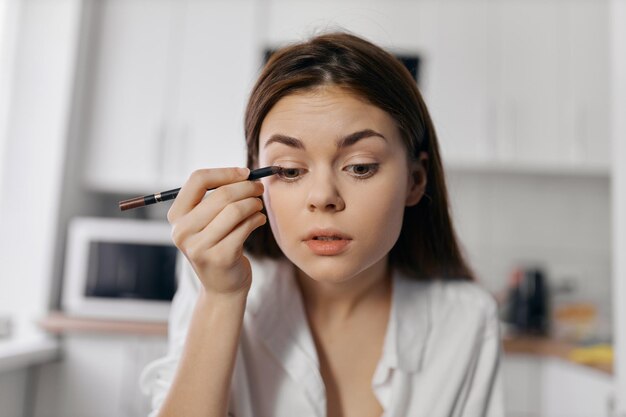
x: 244, y: 172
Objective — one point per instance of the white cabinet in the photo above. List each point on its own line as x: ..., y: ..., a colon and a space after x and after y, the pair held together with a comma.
x: 97, y: 376
x: 462, y: 63
x: 522, y: 392
x: 570, y: 390
x: 167, y: 85
x: 551, y: 82
x: 522, y: 84
x: 512, y: 84
x: 128, y: 80
x: 527, y: 80
x: 549, y: 387
x: 587, y: 88
x: 220, y: 59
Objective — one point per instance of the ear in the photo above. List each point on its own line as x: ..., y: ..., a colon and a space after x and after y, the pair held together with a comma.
x: 416, y: 186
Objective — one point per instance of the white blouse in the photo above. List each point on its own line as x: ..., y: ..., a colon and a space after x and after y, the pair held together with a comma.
x: 440, y: 358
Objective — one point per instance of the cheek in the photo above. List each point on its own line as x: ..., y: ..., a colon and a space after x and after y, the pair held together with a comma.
x: 382, y: 210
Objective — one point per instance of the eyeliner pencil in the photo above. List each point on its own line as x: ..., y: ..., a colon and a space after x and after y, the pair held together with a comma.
x: 171, y: 194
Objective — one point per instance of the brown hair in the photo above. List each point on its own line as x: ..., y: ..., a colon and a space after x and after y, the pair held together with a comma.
x: 427, y: 247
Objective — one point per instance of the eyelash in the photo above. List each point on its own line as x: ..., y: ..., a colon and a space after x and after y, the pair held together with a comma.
x: 373, y: 168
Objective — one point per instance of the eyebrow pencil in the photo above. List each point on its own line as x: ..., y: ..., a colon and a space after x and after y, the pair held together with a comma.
x: 171, y: 194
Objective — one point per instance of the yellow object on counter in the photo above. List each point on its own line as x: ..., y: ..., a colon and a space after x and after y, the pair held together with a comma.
x: 595, y: 354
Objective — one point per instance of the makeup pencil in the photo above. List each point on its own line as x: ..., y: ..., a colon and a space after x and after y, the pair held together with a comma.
x: 171, y: 194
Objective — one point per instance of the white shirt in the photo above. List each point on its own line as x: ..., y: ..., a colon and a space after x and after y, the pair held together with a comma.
x: 440, y: 357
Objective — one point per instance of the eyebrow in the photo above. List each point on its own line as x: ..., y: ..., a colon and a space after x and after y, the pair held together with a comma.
x: 344, y: 142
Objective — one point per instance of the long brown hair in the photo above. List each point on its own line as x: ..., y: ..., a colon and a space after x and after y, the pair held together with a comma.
x: 427, y: 247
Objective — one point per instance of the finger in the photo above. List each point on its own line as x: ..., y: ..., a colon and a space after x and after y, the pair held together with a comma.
x: 228, y: 219
x: 194, y: 189
x: 230, y: 249
x: 205, y: 212
x: 238, y: 236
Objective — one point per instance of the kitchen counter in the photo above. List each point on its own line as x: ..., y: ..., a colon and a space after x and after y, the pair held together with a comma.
x: 59, y: 323
x: 23, y: 352
x: 547, y: 347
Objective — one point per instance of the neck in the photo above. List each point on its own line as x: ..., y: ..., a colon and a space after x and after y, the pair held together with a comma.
x: 338, y: 301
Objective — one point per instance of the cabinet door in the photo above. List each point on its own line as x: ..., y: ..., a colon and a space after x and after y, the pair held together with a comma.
x: 461, y: 96
x: 127, y: 86
x: 521, y: 376
x: 530, y: 41
x: 574, y: 390
x: 98, y: 377
x: 220, y: 57
x: 585, y: 121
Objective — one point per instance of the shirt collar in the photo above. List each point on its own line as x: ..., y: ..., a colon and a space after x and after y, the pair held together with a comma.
x: 279, y: 320
x: 275, y: 302
x: 409, y: 324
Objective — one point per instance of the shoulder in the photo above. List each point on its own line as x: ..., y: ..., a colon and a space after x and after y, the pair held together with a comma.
x: 449, y: 295
x: 462, y: 296
x: 464, y: 304
x: 453, y: 303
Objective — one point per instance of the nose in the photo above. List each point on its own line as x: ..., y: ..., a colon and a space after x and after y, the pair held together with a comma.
x: 324, y: 195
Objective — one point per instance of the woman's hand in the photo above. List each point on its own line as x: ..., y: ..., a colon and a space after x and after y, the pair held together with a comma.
x: 210, y: 232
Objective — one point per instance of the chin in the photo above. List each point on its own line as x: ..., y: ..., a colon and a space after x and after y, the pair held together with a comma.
x: 328, y: 276
x: 329, y: 269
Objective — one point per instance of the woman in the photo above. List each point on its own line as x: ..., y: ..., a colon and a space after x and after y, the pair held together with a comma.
x: 355, y: 299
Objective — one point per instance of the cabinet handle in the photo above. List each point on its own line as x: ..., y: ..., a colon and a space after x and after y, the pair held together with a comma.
x: 491, y: 128
x: 580, y: 135
x: 507, y: 140
x: 159, y: 161
x: 183, y: 151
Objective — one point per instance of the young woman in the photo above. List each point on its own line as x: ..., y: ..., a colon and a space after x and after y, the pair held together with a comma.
x: 354, y: 299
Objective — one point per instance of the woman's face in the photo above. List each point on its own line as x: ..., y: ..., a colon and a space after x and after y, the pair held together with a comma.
x: 346, y: 176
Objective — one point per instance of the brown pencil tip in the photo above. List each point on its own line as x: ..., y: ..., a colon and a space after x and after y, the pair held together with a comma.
x: 132, y: 203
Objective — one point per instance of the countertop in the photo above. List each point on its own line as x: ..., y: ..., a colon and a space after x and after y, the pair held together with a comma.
x: 25, y: 351
x: 59, y: 323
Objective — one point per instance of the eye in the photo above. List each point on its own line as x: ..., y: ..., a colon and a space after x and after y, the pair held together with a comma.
x: 290, y: 174
x: 362, y: 171
x: 358, y: 171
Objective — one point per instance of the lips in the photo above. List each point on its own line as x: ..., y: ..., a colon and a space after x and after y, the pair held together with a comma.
x: 326, y: 234
x: 327, y: 242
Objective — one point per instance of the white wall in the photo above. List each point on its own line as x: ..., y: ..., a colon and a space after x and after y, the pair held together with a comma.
x: 618, y: 128
x: 560, y: 222
x: 9, y: 16
x: 34, y: 153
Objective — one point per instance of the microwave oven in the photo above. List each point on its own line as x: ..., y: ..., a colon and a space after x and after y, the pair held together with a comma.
x: 124, y: 269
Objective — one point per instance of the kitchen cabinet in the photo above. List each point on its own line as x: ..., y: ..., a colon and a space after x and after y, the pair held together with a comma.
x: 551, y: 88
x: 549, y: 387
x: 167, y: 85
x: 570, y: 390
x: 509, y: 84
x: 522, y: 392
x: 128, y: 93
x: 220, y: 60
x: 533, y: 82
x: 527, y: 80
x: 586, y: 133
x: 98, y: 376
x: 463, y: 65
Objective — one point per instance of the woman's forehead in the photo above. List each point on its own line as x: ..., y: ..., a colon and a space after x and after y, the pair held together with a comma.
x: 330, y: 112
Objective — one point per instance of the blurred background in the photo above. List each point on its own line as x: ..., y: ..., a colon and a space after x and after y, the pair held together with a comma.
x: 104, y: 100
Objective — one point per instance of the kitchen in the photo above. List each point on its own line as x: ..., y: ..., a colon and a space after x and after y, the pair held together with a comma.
x: 127, y: 93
